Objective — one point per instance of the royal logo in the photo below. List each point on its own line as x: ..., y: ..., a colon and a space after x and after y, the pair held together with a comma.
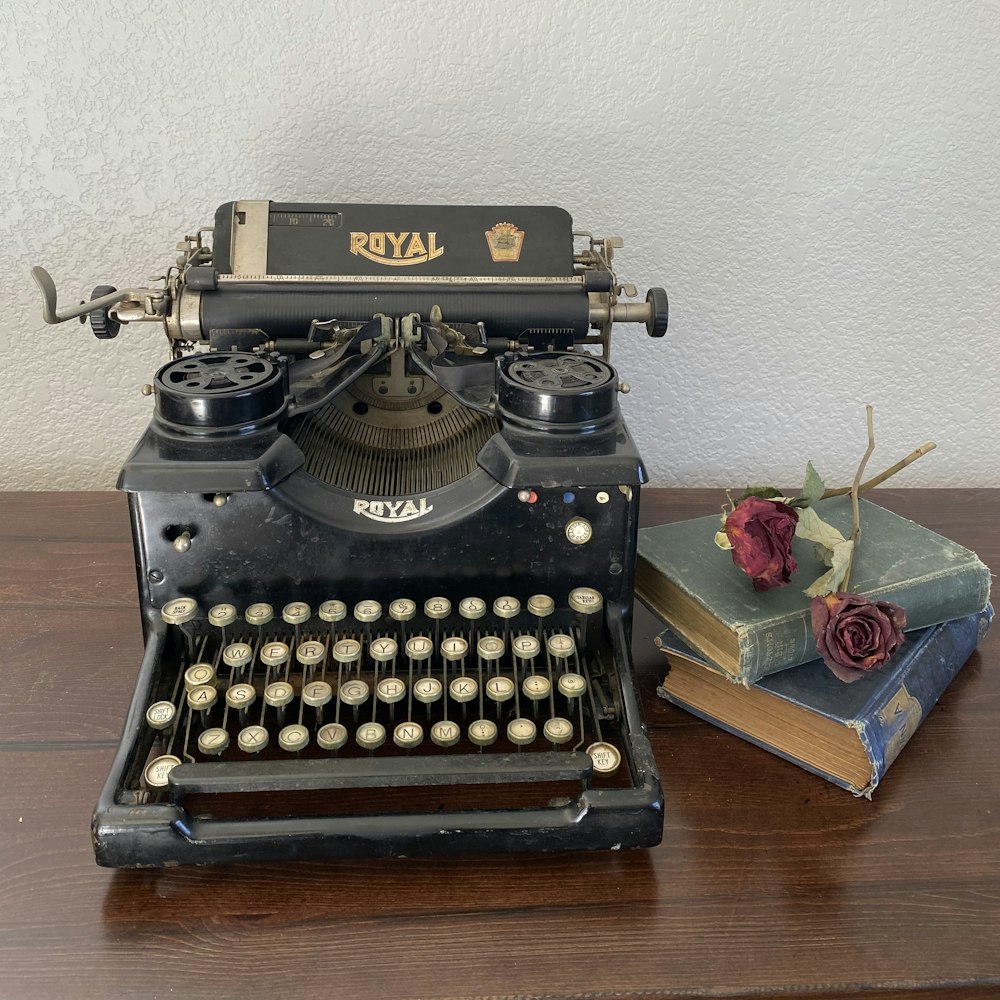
x: 393, y: 510
x: 505, y: 241
x: 396, y: 249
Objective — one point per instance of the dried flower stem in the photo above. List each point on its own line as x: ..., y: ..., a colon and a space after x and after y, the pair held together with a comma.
x: 883, y: 476
x: 855, y: 490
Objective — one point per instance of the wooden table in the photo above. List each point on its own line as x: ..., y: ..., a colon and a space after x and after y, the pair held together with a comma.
x: 769, y: 882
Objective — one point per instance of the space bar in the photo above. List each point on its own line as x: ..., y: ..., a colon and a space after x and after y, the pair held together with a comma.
x: 216, y: 777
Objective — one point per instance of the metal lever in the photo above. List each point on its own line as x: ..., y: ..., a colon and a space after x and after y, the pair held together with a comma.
x: 48, y: 289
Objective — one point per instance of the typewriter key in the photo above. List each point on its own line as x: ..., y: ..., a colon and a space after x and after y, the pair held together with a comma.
x: 237, y: 654
x: 332, y: 736
x: 472, y: 608
x: 500, y: 689
x: 445, y: 734
x: 482, y: 732
x: 296, y: 613
x: 154, y: 774
x: 536, y: 687
x: 333, y: 611
x: 526, y: 646
x: 310, y: 653
x: 437, y: 608
x: 199, y: 673
x: 506, y: 607
x: 419, y: 648
x: 541, y: 605
x: 213, y: 741
x: 383, y: 650
x: 273, y: 654
x: 572, y: 685
x: 428, y: 689
x: 605, y: 757
x: 402, y: 609
x: 179, y: 611
x: 316, y: 693
x: 353, y: 693
x: 241, y: 696
x: 161, y: 714
x: 390, y: 690
x: 202, y: 697
x: 560, y: 645
x: 368, y: 611
x: 454, y: 648
x: 253, y: 739
x: 463, y: 689
x: 490, y: 647
x: 293, y: 738
x: 279, y: 693
x: 586, y: 600
x: 346, y: 650
x: 521, y: 732
x: 408, y: 735
x: 371, y: 735
x: 222, y: 615
x: 558, y: 730
x: 259, y: 614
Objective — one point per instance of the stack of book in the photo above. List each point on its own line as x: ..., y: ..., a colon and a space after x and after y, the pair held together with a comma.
x: 747, y: 661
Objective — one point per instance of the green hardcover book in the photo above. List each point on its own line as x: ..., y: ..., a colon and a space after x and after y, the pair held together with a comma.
x: 693, y: 586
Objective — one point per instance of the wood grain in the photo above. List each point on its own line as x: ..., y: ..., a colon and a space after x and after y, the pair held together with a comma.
x: 769, y: 882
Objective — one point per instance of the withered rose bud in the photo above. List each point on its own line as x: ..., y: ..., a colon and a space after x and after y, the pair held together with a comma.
x: 761, y: 533
x: 854, y: 634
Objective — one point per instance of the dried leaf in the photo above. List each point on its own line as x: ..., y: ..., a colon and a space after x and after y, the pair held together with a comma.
x: 833, y: 579
x: 761, y: 492
x: 815, y: 529
x: 722, y: 540
x: 812, y: 489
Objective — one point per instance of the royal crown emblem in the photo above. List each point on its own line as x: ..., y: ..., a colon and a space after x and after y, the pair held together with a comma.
x: 505, y: 241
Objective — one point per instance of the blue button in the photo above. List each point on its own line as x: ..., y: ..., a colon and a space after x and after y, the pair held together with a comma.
x: 568, y: 497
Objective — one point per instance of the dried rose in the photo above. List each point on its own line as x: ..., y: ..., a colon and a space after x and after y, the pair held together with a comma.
x: 760, y: 532
x: 855, y: 635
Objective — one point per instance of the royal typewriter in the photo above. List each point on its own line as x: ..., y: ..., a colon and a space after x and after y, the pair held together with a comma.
x: 384, y: 520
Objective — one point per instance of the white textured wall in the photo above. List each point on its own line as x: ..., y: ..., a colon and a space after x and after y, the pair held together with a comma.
x: 816, y: 185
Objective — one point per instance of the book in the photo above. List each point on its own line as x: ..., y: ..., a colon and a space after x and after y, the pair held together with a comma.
x: 846, y: 733
x: 694, y: 588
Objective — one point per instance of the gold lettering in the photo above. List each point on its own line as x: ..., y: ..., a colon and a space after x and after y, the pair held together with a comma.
x: 358, y: 241
x: 432, y: 247
x: 416, y: 247
x: 376, y: 243
x: 396, y: 239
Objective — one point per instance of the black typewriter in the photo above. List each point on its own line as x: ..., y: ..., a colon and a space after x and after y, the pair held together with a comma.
x: 384, y: 519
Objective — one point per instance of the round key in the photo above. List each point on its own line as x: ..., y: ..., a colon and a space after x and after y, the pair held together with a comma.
x: 213, y: 741
x: 560, y: 645
x: 427, y: 690
x: 160, y: 715
x: 259, y: 614
x: 521, y: 732
x: 316, y: 693
x: 408, y: 735
x: 536, y: 687
x: 541, y: 605
x: 402, y: 609
x: 333, y: 611
x: 370, y: 735
x: 310, y: 653
x: 367, y: 611
x: 419, y: 647
x: 606, y: 758
x: 490, y: 647
x: 241, y: 696
x: 506, y: 607
x: 237, y: 654
x: 558, y: 730
x: 346, y: 650
x: 384, y: 649
x: 586, y: 600
x: 179, y: 611
x: 483, y: 732
x: 500, y: 689
x: 472, y: 608
x: 293, y: 738
x: 253, y: 739
x: 154, y: 774
x: 445, y: 734
x: 437, y: 608
x: 332, y: 736
x: 199, y: 673
x: 390, y: 690
x: 463, y: 689
x: 279, y: 693
x: 274, y: 653
x: 296, y: 613
x: 454, y: 648
x: 353, y: 692
x: 202, y: 697
x: 572, y: 685
x: 525, y: 646
x: 222, y: 615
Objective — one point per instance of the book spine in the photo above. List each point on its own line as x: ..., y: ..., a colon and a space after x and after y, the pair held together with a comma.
x: 888, y: 726
x: 771, y: 646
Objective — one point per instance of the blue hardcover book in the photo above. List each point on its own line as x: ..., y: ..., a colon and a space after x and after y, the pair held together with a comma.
x: 846, y: 733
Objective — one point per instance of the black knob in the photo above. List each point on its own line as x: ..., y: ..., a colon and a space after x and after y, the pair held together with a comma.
x: 103, y: 326
x: 659, y: 311
x: 556, y: 388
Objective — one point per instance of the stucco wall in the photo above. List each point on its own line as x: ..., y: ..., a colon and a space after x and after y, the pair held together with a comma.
x: 814, y: 184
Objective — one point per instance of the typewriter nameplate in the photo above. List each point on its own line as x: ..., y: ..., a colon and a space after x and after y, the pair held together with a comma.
x: 393, y: 510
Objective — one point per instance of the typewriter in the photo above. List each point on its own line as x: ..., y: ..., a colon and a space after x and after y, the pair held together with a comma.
x: 384, y: 519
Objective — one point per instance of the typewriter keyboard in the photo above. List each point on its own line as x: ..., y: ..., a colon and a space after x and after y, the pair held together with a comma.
x: 362, y: 679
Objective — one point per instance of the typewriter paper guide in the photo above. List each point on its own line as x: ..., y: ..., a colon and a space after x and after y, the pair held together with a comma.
x: 439, y: 240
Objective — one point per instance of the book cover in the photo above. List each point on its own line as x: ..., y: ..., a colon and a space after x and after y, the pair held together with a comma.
x: 846, y: 733
x: 693, y: 586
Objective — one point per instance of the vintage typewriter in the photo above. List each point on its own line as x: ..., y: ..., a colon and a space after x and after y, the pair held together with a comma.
x: 384, y: 521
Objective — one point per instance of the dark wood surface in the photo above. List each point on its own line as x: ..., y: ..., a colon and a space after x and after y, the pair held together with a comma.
x: 769, y: 881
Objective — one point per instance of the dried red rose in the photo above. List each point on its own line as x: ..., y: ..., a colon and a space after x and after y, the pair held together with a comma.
x: 854, y: 634
x: 761, y: 532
